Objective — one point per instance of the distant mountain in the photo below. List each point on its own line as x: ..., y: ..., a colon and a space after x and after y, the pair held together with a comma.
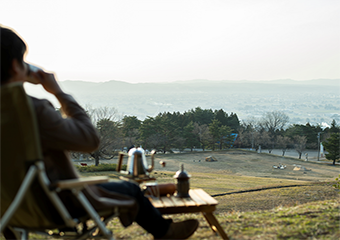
x: 312, y: 100
x: 119, y: 87
x: 333, y: 82
x: 326, y: 82
x: 329, y: 82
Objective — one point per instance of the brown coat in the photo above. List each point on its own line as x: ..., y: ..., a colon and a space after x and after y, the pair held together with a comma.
x: 59, y: 135
x: 74, y: 132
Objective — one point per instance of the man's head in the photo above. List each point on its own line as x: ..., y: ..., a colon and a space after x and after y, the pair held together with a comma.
x: 13, y: 49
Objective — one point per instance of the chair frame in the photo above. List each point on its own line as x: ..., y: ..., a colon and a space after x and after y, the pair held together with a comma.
x: 51, y: 190
x: 35, y: 171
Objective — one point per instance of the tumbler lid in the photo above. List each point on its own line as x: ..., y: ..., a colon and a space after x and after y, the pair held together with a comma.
x: 182, y: 174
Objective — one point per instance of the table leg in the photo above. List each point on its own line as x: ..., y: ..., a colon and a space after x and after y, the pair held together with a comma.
x: 214, y: 224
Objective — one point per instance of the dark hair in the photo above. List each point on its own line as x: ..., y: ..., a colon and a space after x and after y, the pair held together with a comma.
x: 12, y: 47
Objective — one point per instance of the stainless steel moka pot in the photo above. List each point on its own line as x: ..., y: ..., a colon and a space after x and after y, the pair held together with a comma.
x: 137, y: 166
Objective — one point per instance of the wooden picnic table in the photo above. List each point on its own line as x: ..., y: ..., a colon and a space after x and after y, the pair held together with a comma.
x: 199, y: 201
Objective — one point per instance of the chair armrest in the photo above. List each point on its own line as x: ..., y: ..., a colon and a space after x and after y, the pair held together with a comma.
x: 78, y: 183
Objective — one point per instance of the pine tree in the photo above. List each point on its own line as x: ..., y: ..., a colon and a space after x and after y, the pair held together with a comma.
x: 332, y: 146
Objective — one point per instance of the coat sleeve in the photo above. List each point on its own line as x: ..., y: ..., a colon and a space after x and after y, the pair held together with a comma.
x: 73, y: 132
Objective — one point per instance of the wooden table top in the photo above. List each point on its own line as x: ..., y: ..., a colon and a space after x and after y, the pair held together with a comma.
x: 199, y: 201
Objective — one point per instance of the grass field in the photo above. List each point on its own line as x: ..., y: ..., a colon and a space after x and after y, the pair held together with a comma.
x: 255, y: 200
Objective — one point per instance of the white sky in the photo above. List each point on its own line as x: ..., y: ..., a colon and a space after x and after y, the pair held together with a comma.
x: 158, y: 41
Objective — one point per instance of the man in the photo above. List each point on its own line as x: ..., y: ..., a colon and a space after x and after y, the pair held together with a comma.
x: 76, y: 133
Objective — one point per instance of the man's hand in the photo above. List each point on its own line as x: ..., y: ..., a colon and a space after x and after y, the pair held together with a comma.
x: 48, y: 81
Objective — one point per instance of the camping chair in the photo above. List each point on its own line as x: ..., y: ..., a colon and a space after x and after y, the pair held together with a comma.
x: 29, y: 201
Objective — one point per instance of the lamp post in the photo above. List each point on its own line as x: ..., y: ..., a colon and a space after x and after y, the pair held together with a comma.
x: 319, y: 145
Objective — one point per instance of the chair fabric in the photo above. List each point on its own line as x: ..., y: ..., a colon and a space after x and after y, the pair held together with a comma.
x: 41, y: 208
x: 20, y: 148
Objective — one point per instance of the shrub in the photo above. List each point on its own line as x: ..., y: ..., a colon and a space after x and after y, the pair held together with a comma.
x: 99, y: 168
x: 337, y: 183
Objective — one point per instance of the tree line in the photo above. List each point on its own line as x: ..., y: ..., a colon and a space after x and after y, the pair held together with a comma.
x: 272, y: 131
x: 201, y: 129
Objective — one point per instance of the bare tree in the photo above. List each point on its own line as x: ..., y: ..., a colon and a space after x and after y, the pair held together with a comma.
x: 300, y: 144
x: 249, y: 138
x: 97, y: 114
x: 283, y: 142
x: 107, y: 122
x: 250, y: 135
x: 267, y: 141
x: 273, y: 121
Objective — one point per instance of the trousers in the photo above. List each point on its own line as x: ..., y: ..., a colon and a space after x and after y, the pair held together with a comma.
x: 148, y: 217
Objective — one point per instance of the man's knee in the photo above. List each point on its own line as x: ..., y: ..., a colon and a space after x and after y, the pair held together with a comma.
x: 123, y: 187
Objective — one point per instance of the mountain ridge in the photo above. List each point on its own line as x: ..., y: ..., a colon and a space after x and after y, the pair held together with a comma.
x: 320, y: 81
x: 314, y: 101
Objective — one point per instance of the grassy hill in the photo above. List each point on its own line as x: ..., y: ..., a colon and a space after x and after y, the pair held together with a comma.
x: 255, y: 200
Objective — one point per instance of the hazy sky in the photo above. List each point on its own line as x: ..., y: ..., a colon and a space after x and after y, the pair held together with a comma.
x: 157, y: 41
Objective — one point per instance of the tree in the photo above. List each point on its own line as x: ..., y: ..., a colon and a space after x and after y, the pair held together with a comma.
x: 226, y: 139
x: 130, y: 129
x: 335, y: 128
x: 180, y: 120
x: 311, y: 132
x: 283, y: 142
x: 178, y: 142
x: 233, y: 122
x: 221, y: 135
x: 215, y: 133
x: 249, y: 133
x: 201, y: 116
x: 107, y: 123
x: 249, y: 139
x: 202, y: 134
x: 308, y: 130
x: 148, y: 134
x: 332, y: 146
x: 190, y: 136
x: 273, y: 121
x: 300, y: 144
x: 159, y: 133
x: 221, y: 116
x: 266, y: 140
x: 110, y: 140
